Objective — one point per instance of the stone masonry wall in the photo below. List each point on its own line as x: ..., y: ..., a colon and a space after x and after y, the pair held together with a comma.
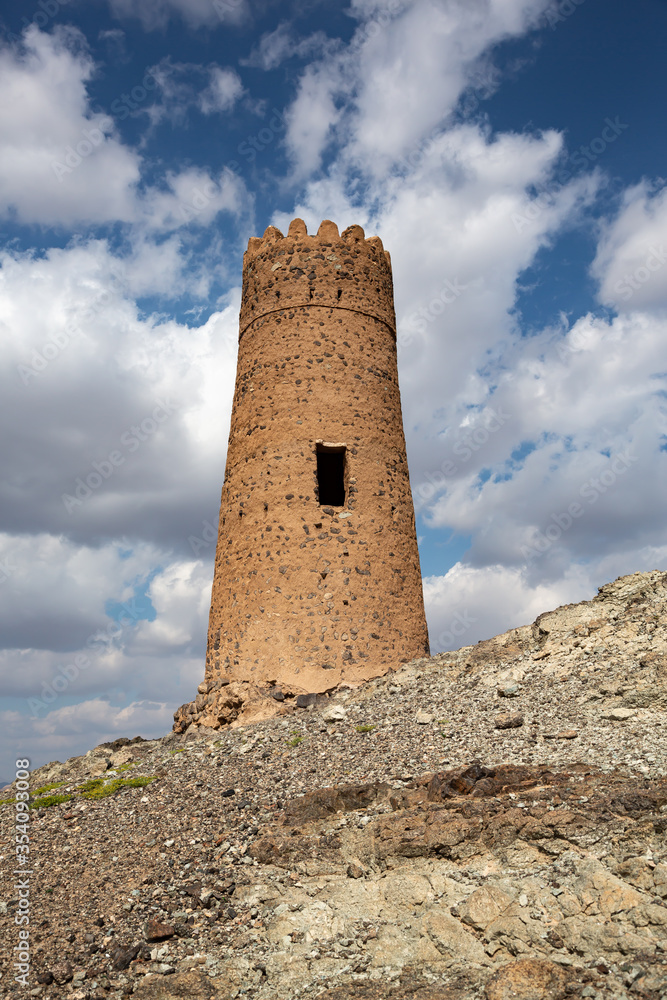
x: 304, y: 595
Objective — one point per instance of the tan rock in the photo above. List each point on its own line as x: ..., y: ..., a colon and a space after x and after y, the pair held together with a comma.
x: 122, y: 756
x: 451, y: 939
x: 483, y: 906
x: 619, y: 714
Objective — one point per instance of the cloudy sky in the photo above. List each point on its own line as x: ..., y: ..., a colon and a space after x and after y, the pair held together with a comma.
x: 508, y: 152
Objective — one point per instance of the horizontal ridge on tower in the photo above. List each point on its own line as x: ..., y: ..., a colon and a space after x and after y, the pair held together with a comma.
x: 330, y: 270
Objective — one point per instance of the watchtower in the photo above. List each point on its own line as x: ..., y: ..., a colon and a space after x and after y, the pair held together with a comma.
x: 317, y: 576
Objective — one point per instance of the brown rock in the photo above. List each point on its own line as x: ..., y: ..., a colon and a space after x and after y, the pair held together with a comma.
x: 191, y: 985
x: 62, y: 973
x: 157, y: 931
x: 327, y: 801
x: 355, y: 869
x: 508, y: 720
x: 121, y: 957
x: 528, y: 979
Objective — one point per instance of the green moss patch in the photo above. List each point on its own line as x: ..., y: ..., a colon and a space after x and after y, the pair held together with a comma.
x: 365, y: 729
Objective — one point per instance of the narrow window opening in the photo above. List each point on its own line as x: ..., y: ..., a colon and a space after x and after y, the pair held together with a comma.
x: 339, y: 293
x: 311, y: 293
x: 331, y: 475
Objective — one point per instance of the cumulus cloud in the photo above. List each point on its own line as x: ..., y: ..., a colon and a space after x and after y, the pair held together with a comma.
x: 65, y: 701
x: 61, y: 164
x: 48, y: 133
x: 72, y: 730
x: 398, y: 79
x: 47, y: 600
x: 631, y: 260
x: 125, y: 415
x: 193, y: 196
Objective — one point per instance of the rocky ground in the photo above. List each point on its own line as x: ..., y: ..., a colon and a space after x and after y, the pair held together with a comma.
x: 485, y: 823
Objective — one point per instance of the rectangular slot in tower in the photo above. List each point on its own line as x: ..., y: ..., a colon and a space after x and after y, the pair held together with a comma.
x: 331, y: 474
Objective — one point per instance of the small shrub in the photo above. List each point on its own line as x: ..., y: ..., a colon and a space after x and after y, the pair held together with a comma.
x: 49, y: 800
x: 125, y: 767
x: 138, y: 782
x: 365, y: 729
x: 48, y: 788
x: 442, y: 722
x: 91, y: 784
x: 180, y: 750
x: 295, y: 742
x: 98, y: 789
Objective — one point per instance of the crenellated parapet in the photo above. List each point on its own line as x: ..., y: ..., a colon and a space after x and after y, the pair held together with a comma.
x: 346, y: 271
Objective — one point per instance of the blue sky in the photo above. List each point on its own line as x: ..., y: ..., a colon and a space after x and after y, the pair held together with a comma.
x: 510, y: 153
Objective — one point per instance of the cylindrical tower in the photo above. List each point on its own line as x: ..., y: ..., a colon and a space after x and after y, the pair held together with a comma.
x: 317, y: 576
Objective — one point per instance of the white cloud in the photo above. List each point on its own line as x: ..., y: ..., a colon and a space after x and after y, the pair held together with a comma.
x: 590, y: 404
x: 631, y: 261
x: 72, y: 730
x: 398, y: 79
x: 80, y: 369
x: 181, y: 596
x: 48, y: 134
x: 313, y: 115
x: 155, y: 14
x: 63, y: 165
x: 275, y: 47
x: 89, y: 718
x: 471, y: 603
x: 193, y: 196
x: 223, y: 91
x: 526, y: 421
x: 468, y: 604
x: 47, y: 598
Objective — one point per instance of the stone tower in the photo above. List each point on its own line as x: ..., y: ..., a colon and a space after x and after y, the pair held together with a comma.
x: 317, y: 578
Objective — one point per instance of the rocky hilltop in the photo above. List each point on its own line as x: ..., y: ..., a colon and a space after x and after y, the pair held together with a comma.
x: 489, y: 823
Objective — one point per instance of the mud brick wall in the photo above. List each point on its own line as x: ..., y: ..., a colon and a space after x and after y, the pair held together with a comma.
x: 306, y: 594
